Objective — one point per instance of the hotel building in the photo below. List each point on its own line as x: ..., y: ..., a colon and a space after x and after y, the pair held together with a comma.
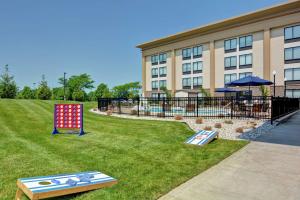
x: 258, y: 43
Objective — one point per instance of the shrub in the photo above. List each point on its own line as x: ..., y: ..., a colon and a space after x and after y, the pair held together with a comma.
x: 221, y: 115
x: 178, y: 117
x: 239, y: 130
x: 207, y: 128
x: 218, y: 125
x: 147, y: 113
x: 109, y: 112
x: 228, y: 121
x: 160, y: 114
x: 133, y: 112
x: 199, y: 120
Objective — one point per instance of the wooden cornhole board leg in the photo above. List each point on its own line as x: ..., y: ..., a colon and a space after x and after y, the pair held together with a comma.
x: 19, y: 194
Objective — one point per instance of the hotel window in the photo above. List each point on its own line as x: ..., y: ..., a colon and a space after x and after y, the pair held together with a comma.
x: 245, y: 74
x: 197, y: 51
x: 154, y: 85
x: 197, y: 67
x: 154, y: 72
x: 245, y: 61
x: 229, y: 78
x: 230, y: 45
x: 245, y: 42
x: 197, y: 82
x: 292, y: 74
x: 186, y: 68
x: 292, y: 33
x: 154, y: 59
x: 186, y: 83
x: 162, y: 83
x: 162, y: 58
x: 230, y: 62
x: 186, y: 54
x: 154, y: 95
x: 292, y: 55
x: 293, y: 93
x: 162, y: 71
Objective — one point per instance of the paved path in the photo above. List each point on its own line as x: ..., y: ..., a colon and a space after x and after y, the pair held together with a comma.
x: 266, y: 169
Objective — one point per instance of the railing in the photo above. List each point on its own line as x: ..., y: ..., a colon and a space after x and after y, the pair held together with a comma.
x: 282, y: 106
x: 208, y: 107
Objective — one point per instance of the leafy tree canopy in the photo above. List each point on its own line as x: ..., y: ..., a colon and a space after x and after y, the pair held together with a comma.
x: 8, y: 87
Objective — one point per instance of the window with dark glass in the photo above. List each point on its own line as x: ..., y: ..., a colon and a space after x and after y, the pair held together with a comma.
x: 197, y: 67
x: 197, y: 81
x: 245, y: 42
x: 229, y: 78
x: 162, y: 58
x: 186, y: 68
x: 163, y: 71
x: 154, y: 72
x: 293, y: 93
x: 186, y: 54
x: 186, y: 83
x: 292, y: 55
x: 245, y: 60
x: 154, y: 59
x: 162, y: 83
x: 292, y: 74
x: 197, y: 51
x: 154, y: 85
x: 230, y: 62
x: 230, y: 45
x: 292, y: 33
x: 245, y: 74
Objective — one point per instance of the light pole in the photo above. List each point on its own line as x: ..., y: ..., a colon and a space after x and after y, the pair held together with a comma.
x: 65, y: 85
x: 285, y: 79
x: 274, y: 83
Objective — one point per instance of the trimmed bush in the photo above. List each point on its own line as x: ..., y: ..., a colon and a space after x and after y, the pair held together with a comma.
x: 218, y: 125
x: 207, y: 128
x: 147, y: 113
x: 239, y: 130
x: 178, y: 117
x: 160, y: 114
x: 133, y: 112
x: 228, y: 121
x: 199, y: 120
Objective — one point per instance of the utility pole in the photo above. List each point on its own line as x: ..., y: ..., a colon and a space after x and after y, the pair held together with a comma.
x: 65, y: 86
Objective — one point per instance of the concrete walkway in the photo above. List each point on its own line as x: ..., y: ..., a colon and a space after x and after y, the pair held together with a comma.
x: 268, y: 168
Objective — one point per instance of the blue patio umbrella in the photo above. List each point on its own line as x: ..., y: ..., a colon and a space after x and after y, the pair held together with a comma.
x: 250, y: 81
x: 225, y: 90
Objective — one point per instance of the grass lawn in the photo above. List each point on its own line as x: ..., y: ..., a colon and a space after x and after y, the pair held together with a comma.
x: 148, y: 158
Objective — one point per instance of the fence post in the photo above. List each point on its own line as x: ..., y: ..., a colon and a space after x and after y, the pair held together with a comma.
x: 231, y: 107
x: 272, y: 109
x: 163, y: 107
x: 197, y: 103
x: 119, y: 105
x: 138, y: 108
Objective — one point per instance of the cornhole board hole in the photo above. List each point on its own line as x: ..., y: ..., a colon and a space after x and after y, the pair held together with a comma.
x: 58, y: 185
x: 202, y: 137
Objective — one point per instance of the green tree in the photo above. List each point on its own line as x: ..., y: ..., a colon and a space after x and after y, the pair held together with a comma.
x: 128, y: 90
x: 8, y: 87
x: 205, y: 92
x: 167, y: 92
x: 264, y: 91
x: 26, y: 93
x: 78, y: 95
x: 77, y: 83
x: 58, y: 93
x: 91, y: 96
x: 43, y: 91
x: 102, y: 91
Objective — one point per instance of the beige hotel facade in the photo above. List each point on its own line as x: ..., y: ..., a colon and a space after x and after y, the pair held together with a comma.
x: 260, y: 43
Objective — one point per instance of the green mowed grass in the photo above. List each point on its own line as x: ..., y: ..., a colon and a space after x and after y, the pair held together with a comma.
x: 148, y: 158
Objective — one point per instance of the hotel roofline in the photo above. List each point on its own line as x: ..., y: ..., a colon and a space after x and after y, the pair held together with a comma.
x: 248, y: 18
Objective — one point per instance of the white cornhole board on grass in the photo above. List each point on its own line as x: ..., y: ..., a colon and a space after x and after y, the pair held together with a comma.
x: 202, y: 137
x: 34, y: 190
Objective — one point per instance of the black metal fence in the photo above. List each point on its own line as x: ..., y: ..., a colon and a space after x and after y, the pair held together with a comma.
x: 282, y: 106
x: 208, y: 107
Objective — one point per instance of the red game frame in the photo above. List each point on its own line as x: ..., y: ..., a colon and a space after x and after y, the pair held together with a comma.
x: 68, y: 116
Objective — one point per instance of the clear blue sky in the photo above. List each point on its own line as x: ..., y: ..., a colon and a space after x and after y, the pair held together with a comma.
x: 97, y: 37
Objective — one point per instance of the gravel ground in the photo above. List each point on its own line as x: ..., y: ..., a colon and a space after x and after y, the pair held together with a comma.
x: 252, y: 128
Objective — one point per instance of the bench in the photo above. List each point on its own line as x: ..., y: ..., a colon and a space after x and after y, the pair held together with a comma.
x: 58, y: 185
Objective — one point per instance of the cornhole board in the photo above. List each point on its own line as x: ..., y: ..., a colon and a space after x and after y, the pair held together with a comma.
x: 202, y: 137
x: 55, y: 185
